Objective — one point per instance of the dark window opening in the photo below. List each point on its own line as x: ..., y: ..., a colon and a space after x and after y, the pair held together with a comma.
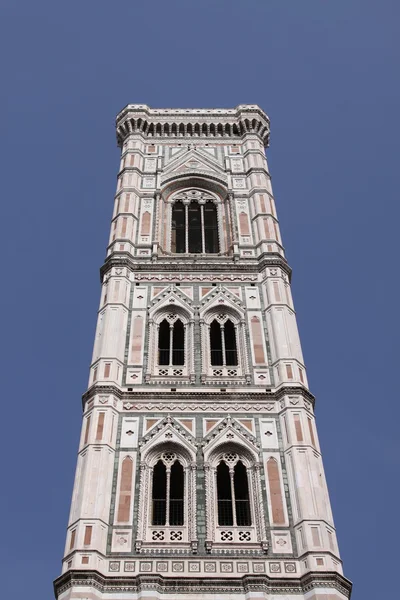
x: 216, y: 344
x: 178, y: 238
x: 223, y: 344
x: 168, y: 494
x: 224, y: 495
x: 242, y: 500
x: 178, y: 344
x: 230, y: 343
x: 210, y: 228
x: 194, y: 228
x: 240, y: 515
x: 176, y: 494
x: 159, y: 494
x: 163, y: 343
x: 171, y: 343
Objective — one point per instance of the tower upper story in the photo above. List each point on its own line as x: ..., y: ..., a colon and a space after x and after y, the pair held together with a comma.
x: 195, y: 238
x: 214, y: 155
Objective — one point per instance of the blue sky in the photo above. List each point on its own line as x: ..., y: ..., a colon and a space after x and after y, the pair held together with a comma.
x: 327, y: 73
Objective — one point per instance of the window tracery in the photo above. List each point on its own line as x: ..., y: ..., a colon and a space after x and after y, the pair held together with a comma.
x: 195, y: 223
x: 224, y: 352
x: 223, y: 348
x: 170, y: 339
x: 168, y: 491
x: 233, y: 492
x: 233, y: 496
x: 167, y: 497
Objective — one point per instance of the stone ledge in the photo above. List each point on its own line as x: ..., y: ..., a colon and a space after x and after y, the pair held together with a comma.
x: 184, y: 585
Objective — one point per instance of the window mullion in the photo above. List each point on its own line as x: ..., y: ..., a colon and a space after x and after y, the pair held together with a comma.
x: 185, y: 341
x: 223, y: 345
x: 186, y: 228
x: 203, y: 243
x: 236, y: 334
x: 167, y: 496
x: 171, y: 344
x: 231, y: 475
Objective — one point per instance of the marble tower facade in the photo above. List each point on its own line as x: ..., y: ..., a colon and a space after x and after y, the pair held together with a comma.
x: 199, y: 469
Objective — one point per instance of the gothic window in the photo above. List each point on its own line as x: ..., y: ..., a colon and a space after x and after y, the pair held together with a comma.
x: 234, y: 505
x: 178, y: 240
x: 233, y: 492
x: 170, y: 339
x: 194, y: 228
x: 171, y: 342
x: 223, y: 343
x: 210, y: 228
x: 168, y: 491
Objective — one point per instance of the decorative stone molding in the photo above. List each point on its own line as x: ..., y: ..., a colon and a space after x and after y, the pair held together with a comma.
x: 203, y: 400
x: 232, y: 124
x: 242, y: 584
x: 183, y: 268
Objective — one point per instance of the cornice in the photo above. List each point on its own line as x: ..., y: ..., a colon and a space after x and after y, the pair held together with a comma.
x: 185, y: 585
x: 204, y: 396
x: 192, y: 123
x: 218, y: 264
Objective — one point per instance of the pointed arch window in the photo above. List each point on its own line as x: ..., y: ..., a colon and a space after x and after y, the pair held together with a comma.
x: 171, y: 342
x: 223, y: 343
x: 233, y: 492
x: 194, y: 228
x: 168, y: 491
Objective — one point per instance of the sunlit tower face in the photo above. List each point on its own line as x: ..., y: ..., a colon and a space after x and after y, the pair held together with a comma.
x: 199, y: 469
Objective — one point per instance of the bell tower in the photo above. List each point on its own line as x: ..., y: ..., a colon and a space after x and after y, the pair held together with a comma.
x: 199, y: 470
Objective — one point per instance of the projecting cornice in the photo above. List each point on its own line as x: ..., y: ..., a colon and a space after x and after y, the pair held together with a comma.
x: 203, y: 396
x: 190, y: 585
x: 197, y: 269
x: 198, y: 123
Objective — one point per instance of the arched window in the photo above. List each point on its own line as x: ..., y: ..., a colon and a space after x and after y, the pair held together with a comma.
x: 223, y: 343
x: 234, y: 500
x: 159, y: 494
x: 233, y: 492
x: 178, y: 239
x: 168, y: 491
x: 194, y: 228
x: 194, y: 224
x: 171, y: 343
x: 210, y: 228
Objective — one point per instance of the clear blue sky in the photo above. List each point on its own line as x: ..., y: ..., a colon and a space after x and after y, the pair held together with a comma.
x: 327, y: 73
